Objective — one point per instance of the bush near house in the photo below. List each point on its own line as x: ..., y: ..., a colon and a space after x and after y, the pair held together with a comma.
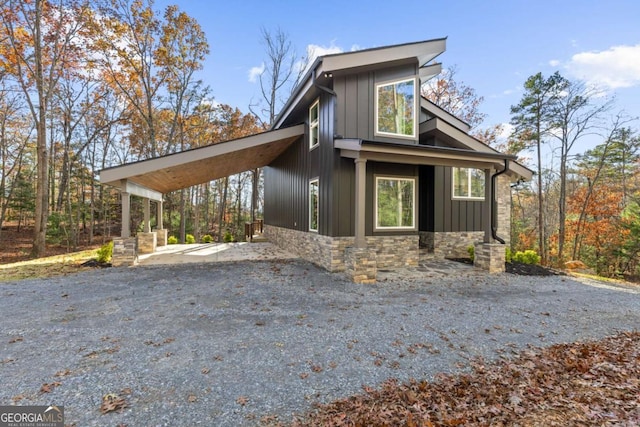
x: 207, y: 238
x: 189, y: 239
x: 172, y: 240
x: 527, y: 257
x: 105, y: 253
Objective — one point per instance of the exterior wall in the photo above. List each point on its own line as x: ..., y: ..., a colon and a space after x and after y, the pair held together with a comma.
x: 503, y: 196
x: 450, y: 214
x: 453, y: 244
x: 329, y: 252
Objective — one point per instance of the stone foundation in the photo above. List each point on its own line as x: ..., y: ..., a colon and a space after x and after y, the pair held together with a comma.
x: 361, y: 265
x: 329, y: 252
x: 147, y: 242
x: 162, y: 237
x: 452, y: 244
x: 125, y: 251
x: 489, y: 257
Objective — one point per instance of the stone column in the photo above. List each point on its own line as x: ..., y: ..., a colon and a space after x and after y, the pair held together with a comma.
x: 126, y: 214
x: 360, y: 202
x: 159, y: 218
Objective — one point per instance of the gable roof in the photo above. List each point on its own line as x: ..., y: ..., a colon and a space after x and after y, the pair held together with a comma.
x: 423, y: 52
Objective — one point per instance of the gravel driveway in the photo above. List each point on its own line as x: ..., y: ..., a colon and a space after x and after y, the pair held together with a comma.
x: 227, y: 344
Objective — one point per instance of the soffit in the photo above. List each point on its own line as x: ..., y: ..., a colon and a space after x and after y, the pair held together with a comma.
x: 185, y: 169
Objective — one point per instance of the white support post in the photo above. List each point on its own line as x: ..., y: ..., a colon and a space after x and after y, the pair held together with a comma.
x: 159, y: 218
x: 361, y: 178
x: 126, y: 214
x: 147, y: 215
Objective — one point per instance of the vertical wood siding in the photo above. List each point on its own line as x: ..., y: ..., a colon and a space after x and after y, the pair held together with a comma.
x: 450, y: 214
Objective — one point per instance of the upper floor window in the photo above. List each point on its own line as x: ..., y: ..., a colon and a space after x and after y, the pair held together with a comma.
x: 468, y: 183
x: 313, y: 125
x: 396, y: 108
x: 395, y: 203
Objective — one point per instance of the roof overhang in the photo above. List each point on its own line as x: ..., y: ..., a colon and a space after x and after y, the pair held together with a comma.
x: 151, y: 178
x: 423, y: 52
x: 430, y: 155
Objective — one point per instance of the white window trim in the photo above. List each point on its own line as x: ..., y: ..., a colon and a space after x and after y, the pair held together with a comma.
x: 311, y: 181
x: 453, y: 186
x: 415, y: 109
x: 314, y: 124
x: 375, y: 206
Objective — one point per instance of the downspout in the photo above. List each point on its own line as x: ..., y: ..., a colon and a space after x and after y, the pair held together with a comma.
x: 494, y: 213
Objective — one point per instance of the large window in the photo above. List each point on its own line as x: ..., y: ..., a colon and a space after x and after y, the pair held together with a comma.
x: 313, y: 125
x: 396, y: 108
x: 468, y: 183
x: 313, y: 205
x: 395, y: 203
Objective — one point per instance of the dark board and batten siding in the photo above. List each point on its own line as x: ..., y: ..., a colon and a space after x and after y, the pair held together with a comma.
x: 286, y: 193
x: 356, y: 94
x: 450, y: 214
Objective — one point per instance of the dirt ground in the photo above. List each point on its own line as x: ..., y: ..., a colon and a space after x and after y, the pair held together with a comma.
x: 16, y: 246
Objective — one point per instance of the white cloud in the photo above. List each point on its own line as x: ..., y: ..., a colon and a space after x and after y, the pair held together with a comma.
x: 554, y: 62
x: 313, y: 52
x: 506, y: 129
x: 255, y: 72
x: 616, y: 67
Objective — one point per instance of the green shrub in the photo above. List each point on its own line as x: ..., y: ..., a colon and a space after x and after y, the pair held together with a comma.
x: 190, y: 239
x: 228, y: 237
x: 527, y: 257
x: 207, y: 238
x: 507, y: 254
x: 172, y: 240
x: 472, y: 252
x: 105, y: 252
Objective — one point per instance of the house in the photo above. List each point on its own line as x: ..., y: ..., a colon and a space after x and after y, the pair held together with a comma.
x: 360, y: 171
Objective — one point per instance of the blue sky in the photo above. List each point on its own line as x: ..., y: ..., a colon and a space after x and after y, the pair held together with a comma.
x: 495, y: 45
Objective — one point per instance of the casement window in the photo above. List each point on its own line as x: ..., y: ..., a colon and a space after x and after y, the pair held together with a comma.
x: 313, y: 205
x: 396, y: 112
x: 395, y: 203
x: 468, y: 183
x: 313, y: 125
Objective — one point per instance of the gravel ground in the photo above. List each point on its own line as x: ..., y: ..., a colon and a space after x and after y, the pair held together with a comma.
x: 227, y: 344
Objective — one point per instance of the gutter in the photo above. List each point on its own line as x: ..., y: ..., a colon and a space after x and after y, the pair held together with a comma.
x: 494, y: 213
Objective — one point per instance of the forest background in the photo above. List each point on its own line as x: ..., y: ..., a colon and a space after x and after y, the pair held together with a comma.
x: 89, y: 85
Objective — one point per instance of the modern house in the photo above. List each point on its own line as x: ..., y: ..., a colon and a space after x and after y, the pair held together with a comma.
x: 360, y: 171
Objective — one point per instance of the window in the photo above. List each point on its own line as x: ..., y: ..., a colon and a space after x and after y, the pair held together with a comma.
x: 313, y: 205
x: 313, y: 125
x: 396, y: 108
x: 395, y: 203
x: 468, y: 183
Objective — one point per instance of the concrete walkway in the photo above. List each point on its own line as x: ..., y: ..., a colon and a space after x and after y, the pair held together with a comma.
x: 214, y: 252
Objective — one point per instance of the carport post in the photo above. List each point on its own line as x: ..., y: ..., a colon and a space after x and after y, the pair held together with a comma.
x: 159, y: 215
x: 126, y: 214
x: 147, y: 215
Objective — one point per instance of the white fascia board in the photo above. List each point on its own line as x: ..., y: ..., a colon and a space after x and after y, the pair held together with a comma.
x: 428, y: 72
x: 422, y: 51
x: 438, y: 112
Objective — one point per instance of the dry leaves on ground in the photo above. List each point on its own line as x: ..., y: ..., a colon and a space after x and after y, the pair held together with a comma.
x: 112, y: 402
x: 592, y: 383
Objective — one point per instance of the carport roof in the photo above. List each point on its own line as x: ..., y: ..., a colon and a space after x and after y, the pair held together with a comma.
x: 199, y: 165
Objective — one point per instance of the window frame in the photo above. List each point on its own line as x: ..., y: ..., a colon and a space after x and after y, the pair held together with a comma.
x: 315, y: 181
x: 377, y: 131
x: 314, y: 124
x: 413, y: 225
x: 469, y: 186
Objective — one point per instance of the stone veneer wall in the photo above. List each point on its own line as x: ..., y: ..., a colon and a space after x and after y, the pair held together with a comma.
x: 329, y: 252
x: 503, y: 196
x: 452, y: 244
x: 489, y: 257
x: 125, y: 251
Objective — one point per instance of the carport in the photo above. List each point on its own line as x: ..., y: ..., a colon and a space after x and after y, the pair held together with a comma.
x: 151, y: 179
